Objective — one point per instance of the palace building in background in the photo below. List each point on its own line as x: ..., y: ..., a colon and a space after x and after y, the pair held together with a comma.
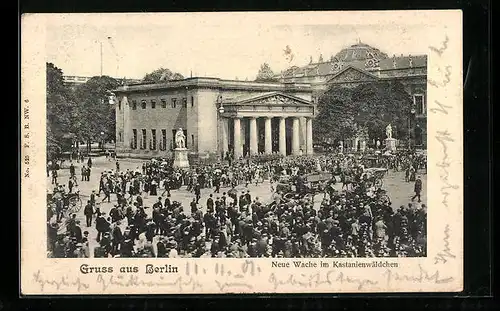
x: 248, y: 118
x: 361, y: 63
x: 216, y: 115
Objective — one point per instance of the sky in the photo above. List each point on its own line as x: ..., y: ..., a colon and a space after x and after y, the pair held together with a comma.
x: 223, y: 45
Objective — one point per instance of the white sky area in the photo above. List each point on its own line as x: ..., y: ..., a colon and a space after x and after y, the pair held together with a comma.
x: 223, y: 45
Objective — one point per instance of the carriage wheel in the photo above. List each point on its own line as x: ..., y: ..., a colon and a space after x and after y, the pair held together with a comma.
x: 79, y: 203
x: 75, y: 204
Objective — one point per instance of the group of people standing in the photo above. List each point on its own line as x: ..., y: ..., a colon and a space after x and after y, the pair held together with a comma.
x: 233, y: 222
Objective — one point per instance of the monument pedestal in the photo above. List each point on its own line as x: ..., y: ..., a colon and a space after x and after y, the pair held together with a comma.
x: 181, y: 158
x: 390, y: 144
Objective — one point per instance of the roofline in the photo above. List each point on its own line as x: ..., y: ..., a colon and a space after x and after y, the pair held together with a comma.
x: 210, y: 82
x: 355, y: 68
x: 260, y: 96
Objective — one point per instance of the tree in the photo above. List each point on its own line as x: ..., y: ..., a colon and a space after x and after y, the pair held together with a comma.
x: 344, y: 112
x: 162, y: 74
x: 94, y: 115
x: 335, y: 119
x: 60, y: 108
x: 265, y: 74
x: 382, y: 103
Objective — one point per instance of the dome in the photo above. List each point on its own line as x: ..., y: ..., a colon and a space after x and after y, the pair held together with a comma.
x: 359, y: 52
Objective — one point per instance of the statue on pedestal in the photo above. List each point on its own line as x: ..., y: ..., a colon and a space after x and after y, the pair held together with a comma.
x: 180, y: 152
x: 390, y: 143
x: 388, y: 131
x: 180, y: 139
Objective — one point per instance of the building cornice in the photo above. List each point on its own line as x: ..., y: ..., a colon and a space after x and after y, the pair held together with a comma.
x: 215, y: 83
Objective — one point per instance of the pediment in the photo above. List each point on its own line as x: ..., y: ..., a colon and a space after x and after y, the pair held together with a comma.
x: 352, y: 74
x: 272, y: 99
x: 279, y: 100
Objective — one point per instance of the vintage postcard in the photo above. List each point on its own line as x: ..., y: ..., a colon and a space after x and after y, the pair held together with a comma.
x: 270, y: 152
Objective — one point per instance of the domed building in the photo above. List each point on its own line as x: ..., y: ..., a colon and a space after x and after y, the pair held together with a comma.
x: 361, y: 63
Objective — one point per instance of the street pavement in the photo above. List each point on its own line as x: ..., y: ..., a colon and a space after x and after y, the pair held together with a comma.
x: 398, y: 190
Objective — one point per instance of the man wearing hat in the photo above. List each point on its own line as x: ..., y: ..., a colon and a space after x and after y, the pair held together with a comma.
x: 210, y: 203
x: 101, y: 225
x: 197, y: 192
x: 105, y: 243
x: 417, y: 189
x: 248, y: 197
x: 76, y: 231
x: 117, y: 238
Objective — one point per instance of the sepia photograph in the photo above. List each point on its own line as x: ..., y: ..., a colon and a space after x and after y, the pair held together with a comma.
x: 241, y: 152
x: 317, y: 149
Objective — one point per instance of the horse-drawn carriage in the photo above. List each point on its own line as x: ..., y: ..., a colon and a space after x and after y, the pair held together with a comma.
x: 71, y: 202
x: 374, y: 176
x: 304, y: 185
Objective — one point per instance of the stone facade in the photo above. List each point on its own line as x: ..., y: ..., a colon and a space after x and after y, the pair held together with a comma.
x: 147, y: 116
x: 361, y: 63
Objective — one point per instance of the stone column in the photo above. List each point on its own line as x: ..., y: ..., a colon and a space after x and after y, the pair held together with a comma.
x: 295, y: 136
x: 282, y: 140
x: 127, y: 132
x: 254, y: 148
x: 309, y: 136
x: 268, y: 136
x: 238, y: 147
x: 224, y: 134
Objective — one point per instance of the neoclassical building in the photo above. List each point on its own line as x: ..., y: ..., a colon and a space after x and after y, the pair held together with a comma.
x: 216, y: 115
x: 361, y: 63
x: 259, y: 117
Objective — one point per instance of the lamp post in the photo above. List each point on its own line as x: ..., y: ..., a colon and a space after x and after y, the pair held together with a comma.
x: 220, y: 111
x: 102, y: 141
x: 112, y: 101
x: 410, y: 118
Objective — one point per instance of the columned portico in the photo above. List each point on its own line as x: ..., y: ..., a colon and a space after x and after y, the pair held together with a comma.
x: 295, y: 136
x: 282, y: 136
x: 238, y: 146
x: 253, y: 136
x: 225, y: 135
x: 309, y: 134
x: 268, y: 136
x: 253, y: 124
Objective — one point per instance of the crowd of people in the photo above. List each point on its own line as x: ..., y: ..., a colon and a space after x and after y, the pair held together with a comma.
x: 232, y: 222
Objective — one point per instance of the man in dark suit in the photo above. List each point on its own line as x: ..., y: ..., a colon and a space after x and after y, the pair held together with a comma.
x: 92, y: 198
x: 248, y: 197
x: 418, y: 189
x: 88, y: 211
x: 194, y: 206
x: 158, y: 205
x: 139, y: 201
x: 197, y: 192
x: 116, y: 239
x: 210, y: 203
x: 167, y: 204
x: 72, y: 170
x: 76, y: 231
x: 102, y: 226
x: 83, y: 172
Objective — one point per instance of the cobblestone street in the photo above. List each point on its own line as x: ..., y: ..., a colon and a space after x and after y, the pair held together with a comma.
x: 398, y: 190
